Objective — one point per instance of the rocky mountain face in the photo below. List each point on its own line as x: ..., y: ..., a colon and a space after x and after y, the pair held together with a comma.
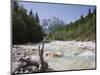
x: 51, y: 24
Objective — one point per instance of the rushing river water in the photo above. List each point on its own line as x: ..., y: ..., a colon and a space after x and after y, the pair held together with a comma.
x: 60, y: 55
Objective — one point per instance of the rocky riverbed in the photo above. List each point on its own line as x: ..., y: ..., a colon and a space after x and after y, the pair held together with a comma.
x: 60, y: 55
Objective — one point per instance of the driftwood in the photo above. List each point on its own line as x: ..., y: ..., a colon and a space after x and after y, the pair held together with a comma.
x: 41, y: 65
x: 29, y: 62
x: 25, y: 63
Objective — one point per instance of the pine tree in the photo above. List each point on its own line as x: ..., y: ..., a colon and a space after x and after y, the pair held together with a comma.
x: 15, y: 6
x: 94, y: 11
x: 89, y: 11
x: 37, y: 18
x: 82, y: 18
x: 30, y: 13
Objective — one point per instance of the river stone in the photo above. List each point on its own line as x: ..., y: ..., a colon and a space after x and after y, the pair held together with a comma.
x: 54, y: 54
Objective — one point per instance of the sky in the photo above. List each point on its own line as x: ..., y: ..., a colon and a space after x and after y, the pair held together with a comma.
x: 66, y: 12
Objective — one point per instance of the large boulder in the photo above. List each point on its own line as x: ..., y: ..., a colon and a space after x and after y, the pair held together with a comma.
x: 54, y: 54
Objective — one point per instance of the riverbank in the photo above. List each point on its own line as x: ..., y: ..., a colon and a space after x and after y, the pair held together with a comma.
x: 60, y: 55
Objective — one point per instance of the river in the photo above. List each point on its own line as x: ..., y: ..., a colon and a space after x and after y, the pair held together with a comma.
x: 60, y: 55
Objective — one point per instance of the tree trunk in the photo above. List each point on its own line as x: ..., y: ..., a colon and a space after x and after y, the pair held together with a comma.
x: 43, y: 64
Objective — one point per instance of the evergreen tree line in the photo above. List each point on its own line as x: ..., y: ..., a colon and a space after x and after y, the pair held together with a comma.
x: 25, y: 27
x: 83, y: 29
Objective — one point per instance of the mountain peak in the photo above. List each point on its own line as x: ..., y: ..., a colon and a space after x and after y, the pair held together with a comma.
x: 50, y: 24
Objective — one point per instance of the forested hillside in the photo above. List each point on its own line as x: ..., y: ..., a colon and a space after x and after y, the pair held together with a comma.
x: 83, y: 29
x: 25, y: 27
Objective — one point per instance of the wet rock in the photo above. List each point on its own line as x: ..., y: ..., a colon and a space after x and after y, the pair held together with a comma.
x: 57, y: 54
x: 54, y: 54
